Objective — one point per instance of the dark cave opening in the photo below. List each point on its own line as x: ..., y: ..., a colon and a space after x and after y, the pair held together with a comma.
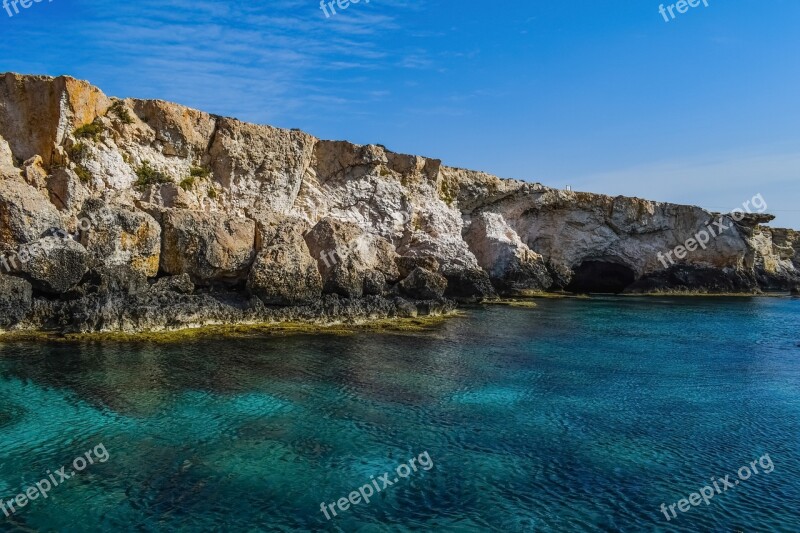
x: 601, y: 277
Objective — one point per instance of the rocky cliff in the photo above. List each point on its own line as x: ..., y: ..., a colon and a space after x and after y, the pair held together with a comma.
x: 139, y: 214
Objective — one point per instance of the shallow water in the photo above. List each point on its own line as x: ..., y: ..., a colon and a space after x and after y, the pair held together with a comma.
x: 579, y: 415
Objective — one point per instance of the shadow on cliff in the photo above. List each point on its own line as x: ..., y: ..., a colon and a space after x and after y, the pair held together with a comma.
x: 601, y: 277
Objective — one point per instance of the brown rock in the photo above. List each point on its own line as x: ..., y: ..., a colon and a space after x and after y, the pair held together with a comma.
x: 120, y: 235
x: 207, y: 246
x: 422, y: 284
x: 53, y: 264
x: 345, y: 254
x: 25, y: 214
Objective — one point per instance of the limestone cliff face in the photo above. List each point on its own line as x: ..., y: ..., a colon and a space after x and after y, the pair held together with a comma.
x: 146, y: 196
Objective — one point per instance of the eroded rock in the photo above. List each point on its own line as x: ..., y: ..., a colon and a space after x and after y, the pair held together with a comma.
x: 345, y: 254
x: 16, y: 299
x: 206, y: 246
x: 120, y: 235
x: 53, y: 265
x: 511, y: 265
x: 284, y: 273
x: 423, y: 284
x: 25, y: 214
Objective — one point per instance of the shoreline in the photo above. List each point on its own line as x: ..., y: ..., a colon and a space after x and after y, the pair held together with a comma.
x: 396, y: 325
x: 344, y: 325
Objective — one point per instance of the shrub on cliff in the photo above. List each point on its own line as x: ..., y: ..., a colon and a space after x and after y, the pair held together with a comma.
x: 200, y: 172
x: 119, y: 109
x: 147, y: 175
x: 92, y: 131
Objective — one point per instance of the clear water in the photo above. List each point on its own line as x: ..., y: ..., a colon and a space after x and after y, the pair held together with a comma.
x: 579, y: 415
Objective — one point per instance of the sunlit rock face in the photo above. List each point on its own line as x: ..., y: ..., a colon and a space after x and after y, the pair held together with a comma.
x: 271, y: 217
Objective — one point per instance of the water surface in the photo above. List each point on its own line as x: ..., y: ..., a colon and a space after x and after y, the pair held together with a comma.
x: 579, y: 415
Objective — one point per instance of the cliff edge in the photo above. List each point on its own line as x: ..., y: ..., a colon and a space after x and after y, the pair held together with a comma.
x: 131, y: 215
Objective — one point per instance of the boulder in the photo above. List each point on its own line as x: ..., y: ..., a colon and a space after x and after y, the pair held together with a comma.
x: 53, y: 264
x: 115, y: 280
x: 119, y: 235
x: 180, y: 284
x: 423, y: 284
x: 25, y: 214
x: 407, y: 264
x: 468, y: 284
x: 65, y: 189
x: 209, y: 247
x: 511, y: 265
x: 16, y: 299
x: 345, y: 254
x: 375, y: 283
x: 285, y: 275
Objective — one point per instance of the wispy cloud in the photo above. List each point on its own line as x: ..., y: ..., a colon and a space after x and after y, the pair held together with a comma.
x: 251, y: 59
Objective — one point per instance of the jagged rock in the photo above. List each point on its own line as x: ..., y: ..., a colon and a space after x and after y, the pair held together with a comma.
x: 207, y: 247
x: 375, y: 283
x: 120, y: 235
x: 795, y: 291
x: 423, y: 284
x: 181, y: 284
x: 284, y: 273
x: 16, y: 299
x: 511, y: 265
x: 687, y: 278
x: 53, y: 265
x: 406, y: 264
x: 366, y: 205
x: 345, y: 254
x: 34, y: 173
x: 25, y: 214
x: 65, y: 189
x: 110, y: 280
x: 406, y: 309
x: 469, y: 284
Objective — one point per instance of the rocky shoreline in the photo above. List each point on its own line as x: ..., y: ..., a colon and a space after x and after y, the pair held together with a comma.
x: 141, y: 215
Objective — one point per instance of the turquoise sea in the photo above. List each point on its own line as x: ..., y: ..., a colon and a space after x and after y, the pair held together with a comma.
x: 578, y: 415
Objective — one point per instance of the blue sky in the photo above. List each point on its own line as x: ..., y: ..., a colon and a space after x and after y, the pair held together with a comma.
x: 604, y: 96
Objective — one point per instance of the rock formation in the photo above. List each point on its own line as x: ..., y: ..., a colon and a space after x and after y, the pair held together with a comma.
x: 127, y: 215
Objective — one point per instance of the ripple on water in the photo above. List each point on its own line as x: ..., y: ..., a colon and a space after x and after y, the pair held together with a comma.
x: 573, y: 416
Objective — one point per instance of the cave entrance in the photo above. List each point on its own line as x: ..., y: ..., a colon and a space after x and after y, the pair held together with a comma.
x: 601, y: 277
